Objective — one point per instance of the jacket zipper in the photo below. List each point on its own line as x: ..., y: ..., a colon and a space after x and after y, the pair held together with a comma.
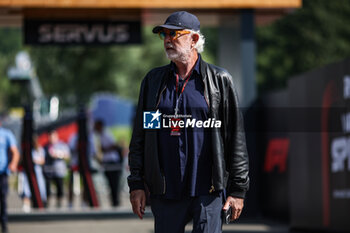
x: 160, y: 95
x: 205, y: 97
x: 205, y: 94
x: 158, y: 102
x: 212, y: 188
x: 164, y: 184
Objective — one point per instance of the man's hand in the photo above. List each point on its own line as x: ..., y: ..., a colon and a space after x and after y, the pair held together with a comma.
x: 236, y: 205
x: 138, y: 202
x: 13, y: 167
x: 15, y: 158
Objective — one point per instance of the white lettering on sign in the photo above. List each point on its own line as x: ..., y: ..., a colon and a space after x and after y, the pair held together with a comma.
x: 77, y: 33
x: 345, y: 120
x: 340, y: 151
x: 341, y: 194
x: 347, y: 87
x: 45, y: 33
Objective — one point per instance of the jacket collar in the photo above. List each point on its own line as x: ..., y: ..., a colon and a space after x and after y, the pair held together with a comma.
x: 203, y: 68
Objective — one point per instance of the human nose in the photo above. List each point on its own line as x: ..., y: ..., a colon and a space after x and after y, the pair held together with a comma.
x: 167, y: 38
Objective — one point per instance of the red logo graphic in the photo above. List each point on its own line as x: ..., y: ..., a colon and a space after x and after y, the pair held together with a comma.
x: 276, y: 155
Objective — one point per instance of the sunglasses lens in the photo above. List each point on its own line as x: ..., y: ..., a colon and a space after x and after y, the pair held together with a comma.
x: 172, y: 33
x: 162, y: 35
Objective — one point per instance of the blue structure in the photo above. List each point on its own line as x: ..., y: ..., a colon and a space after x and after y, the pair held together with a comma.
x: 113, y: 110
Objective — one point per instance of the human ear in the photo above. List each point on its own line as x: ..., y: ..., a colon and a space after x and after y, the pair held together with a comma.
x: 195, y: 38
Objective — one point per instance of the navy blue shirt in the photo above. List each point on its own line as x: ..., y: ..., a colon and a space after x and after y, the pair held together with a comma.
x: 186, y: 160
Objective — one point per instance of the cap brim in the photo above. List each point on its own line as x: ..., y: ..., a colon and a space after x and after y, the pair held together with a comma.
x: 158, y: 28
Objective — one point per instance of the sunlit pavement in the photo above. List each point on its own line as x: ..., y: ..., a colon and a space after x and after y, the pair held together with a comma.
x: 105, y: 219
x: 116, y: 220
x: 126, y: 225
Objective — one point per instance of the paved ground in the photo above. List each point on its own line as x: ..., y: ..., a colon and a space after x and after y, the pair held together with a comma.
x: 81, y: 219
x: 126, y: 225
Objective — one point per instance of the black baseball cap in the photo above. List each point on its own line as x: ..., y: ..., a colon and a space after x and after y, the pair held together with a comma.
x: 179, y: 20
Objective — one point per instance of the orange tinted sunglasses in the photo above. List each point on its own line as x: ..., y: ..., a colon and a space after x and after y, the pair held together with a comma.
x: 174, y: 34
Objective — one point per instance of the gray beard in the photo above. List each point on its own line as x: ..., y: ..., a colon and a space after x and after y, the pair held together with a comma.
x: 181, y: 56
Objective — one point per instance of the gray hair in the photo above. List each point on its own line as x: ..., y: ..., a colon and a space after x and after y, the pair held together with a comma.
x: 199, y: 46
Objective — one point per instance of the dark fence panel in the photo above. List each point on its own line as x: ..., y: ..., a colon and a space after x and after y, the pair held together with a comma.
x: 319, y: 174
x: 268, y: 145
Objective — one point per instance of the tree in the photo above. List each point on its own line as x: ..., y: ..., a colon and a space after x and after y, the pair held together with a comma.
x: 313, y: 36
x: 75, y: 73
x: 10, y: 44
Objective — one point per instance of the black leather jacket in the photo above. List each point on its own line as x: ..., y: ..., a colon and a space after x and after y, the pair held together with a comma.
x: 230, y: 158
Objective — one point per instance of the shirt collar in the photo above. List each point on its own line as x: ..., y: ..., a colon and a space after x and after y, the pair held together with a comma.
x: 196, y: 66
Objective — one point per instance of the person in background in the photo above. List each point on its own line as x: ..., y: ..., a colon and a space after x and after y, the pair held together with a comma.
x: 55, y: 169
x: 74, y: 166
x: 38, y: 156
x: 9, y: 157
x: 111, y: 156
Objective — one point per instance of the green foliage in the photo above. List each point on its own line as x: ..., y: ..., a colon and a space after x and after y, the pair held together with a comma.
x: 133, y: 62
x: 122, y: 134
x: 313, y: 36
x: 75, y: 73
x: 211, y: 44
x: 10, y: 44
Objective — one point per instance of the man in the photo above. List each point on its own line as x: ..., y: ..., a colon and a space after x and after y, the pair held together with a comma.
x: 9, y: 157
x: 199, y: 153
x: 111, y: 156
x: 55, y: 169
x: 74, y: 166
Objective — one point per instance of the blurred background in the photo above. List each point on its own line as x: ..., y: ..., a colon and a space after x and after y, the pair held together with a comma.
x: 66, y: 64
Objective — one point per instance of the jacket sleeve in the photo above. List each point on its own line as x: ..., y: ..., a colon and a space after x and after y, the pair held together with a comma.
x: 236, y: 154
x: 136, y: 148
